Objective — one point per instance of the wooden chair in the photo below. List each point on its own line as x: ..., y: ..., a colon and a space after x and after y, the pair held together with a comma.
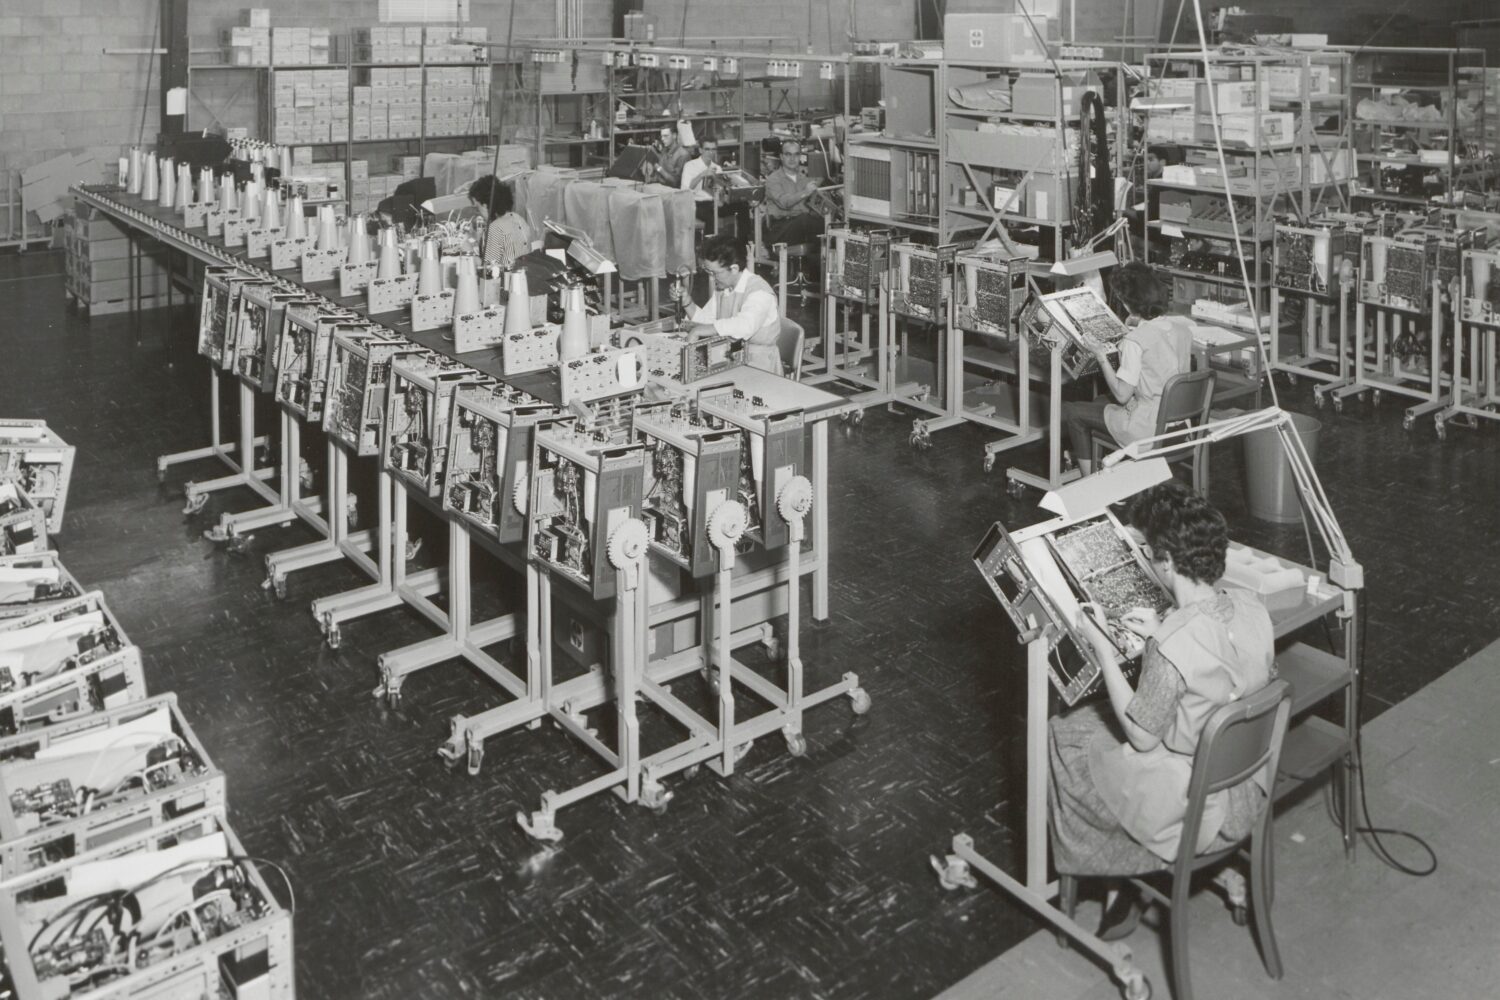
x: 1240, y: 739
x: 1185, y: 399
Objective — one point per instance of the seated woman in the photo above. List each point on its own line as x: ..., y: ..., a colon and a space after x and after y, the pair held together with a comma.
x: 508, y: 235
x: 1120, y: 774
x: 1157, y: 348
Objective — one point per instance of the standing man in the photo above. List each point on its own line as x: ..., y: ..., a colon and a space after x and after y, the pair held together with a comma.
x: 672, y: 158
x: 697, y: 176
x: 788, y: 190
x: 742, y: 305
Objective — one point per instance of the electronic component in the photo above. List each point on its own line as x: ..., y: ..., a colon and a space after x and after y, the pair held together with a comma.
x: 772, y: 447
x: 691, y: 469
x: 530, y: 350
x: 67, y: 659
x: 669, y: 353
x: 32, y: 582
x: 23, y: 525
x: 1394, y: 274
x: 305, y: 349
x: 489, y: 450
x: 359, y: 373
x: 219, y: 311
x: 1072, y: 322
x: 990, y: 289
x: 1307, y: 257
x: 178, y: 910
x: 920, y: 280
x: 418, y: 403
x: 1480, y: 288
x: 81, y: 783
x: 856, y: 263
x: 262, y: 307
x: 32, y: 455
x: 607, y: 372
x: 582, y: 490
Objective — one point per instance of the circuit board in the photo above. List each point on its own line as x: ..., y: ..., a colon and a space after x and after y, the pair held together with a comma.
x: 1105, y: 569
x: 992, y: 297
x: 1406, y: 273
x: 1295, y: 268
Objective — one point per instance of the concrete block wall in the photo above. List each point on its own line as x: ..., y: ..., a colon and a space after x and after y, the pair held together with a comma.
x: 60, y: 93
x: 827, y: 32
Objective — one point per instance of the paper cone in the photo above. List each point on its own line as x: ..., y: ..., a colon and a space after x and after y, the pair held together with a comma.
x: 359, y: 240
x: 166, y: 183
x: 284, y: 162
x: 466, y: 299
x: 270, y: 210
x: 206, y: 186
x: 133, y: 182
x: 124, y: 179
x: 1479, y: 277
x: 430, y: 271
x: 149, y: 185
x: 328, y: 228
x: 258, y: 170
x: 296, y: 219
x: 227, y: 201
x: 250, y: 201
x: 573, y: 342
x: 390, y: 254
x: 184, y: 187
x: 518, y: 305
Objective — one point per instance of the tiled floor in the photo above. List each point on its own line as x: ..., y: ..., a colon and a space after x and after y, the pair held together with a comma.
x: 800, y: 877
x: 1347, y: 930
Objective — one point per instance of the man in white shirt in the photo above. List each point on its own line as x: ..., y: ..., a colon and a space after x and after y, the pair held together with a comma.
x: 742, y: 305
x: 695, y: 178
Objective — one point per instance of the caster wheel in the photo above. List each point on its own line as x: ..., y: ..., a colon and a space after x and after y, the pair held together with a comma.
x: 858, y: 417
x: 412, y: 548
x: 989, y: 463
x: 1406, y: 423
x: 1442, y: 431
x: 1015, y: 489
x: 1375, y: 398
x: 1338, y: 404
x: 534, y: 724
x: 655, y: 798
x: 453, y: 749
x: 741, y: 751
x: 392, y: 697
x: 195, y: 503
x: 1291, y: 379
x: 334, y: 637
x: 161, y: 475
x: 691, y: 772
x: 1240, y: 915
x: 711, y: 678
x: 953, y: 872
x: 1318, y: 400
x: 475, y: 759
x: 1138, y: 991
x: 540, y: 826
x: 240, y: 544
x: 859, y: 701
x: 279, y: 585
x: 796, y: 745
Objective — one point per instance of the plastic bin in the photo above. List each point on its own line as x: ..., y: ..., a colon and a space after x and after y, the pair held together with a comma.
x: 1270, y: 489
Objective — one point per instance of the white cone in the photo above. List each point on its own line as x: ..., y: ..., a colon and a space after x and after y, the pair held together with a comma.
x: 518, y: 305
x: 574, y: 340
x: 296, y: 220
x: 284, y: 162
x: 390, y: 255
x: 466, y: 299
x: 166, y: 191
x: 250, y: 201
x: 124, y: 179
x: 206, y: 186
x: 430, y: 271
x: 184, y: 187
x: 359, y: 240
x: 137, y: 162
x: 148, y: 178
x: 270, y: 210
x: 328, y: 228
x: 227, y: 201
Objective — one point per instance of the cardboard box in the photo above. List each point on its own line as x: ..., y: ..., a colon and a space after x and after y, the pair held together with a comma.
x: 1241, y: 97
x: 1036, y: 93
x: 258, y: 17
x: 1002, y: 38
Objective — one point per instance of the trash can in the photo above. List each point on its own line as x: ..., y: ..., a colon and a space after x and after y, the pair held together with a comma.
x: 1270, y: 488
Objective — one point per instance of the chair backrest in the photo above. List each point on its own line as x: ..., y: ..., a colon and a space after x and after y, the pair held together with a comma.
x: 1240, y: 738
x: 789, y: 344
x: 1187, y: 396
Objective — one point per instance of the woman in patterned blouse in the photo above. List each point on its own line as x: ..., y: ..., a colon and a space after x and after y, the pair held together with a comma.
x: 508, y: 236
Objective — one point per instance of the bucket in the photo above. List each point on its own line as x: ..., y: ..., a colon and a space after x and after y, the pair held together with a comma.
x: 1270, y: 488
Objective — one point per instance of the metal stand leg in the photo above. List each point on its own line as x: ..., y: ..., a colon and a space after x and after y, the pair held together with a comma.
x: 197, y: 494
x: 236, y: 529
x: 338, y: 543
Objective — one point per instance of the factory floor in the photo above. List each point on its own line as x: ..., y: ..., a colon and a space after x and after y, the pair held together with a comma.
x: 799, y: 877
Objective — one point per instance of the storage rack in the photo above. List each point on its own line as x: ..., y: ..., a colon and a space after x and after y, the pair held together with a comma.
x: 259, y: 83
x: 1306, y: 173
x: 1451, y: 76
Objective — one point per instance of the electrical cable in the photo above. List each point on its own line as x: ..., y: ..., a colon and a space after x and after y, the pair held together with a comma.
x: 1370, y: 829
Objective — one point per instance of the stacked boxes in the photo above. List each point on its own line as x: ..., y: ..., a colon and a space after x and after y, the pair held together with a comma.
x: 458, y: 101
x: 389, y: 107
x: 391, y: 45
x: 452, y: 45
x: 250, y: 44
x: 310, y: 106
x: 98, y: 265
x: 366, y: 193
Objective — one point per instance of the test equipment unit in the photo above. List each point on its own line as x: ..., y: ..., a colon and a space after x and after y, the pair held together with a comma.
x: 489, y: 450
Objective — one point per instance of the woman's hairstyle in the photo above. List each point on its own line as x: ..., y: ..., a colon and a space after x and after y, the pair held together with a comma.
x: 1140, y: 289
x: 1178, y: 522
x: 495, y: 195
x: 724, y: 251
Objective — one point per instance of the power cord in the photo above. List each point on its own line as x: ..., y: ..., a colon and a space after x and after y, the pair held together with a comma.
x: 1370, y: 829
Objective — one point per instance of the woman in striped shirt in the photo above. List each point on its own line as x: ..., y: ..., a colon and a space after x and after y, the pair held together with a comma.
x: 508, y: 235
